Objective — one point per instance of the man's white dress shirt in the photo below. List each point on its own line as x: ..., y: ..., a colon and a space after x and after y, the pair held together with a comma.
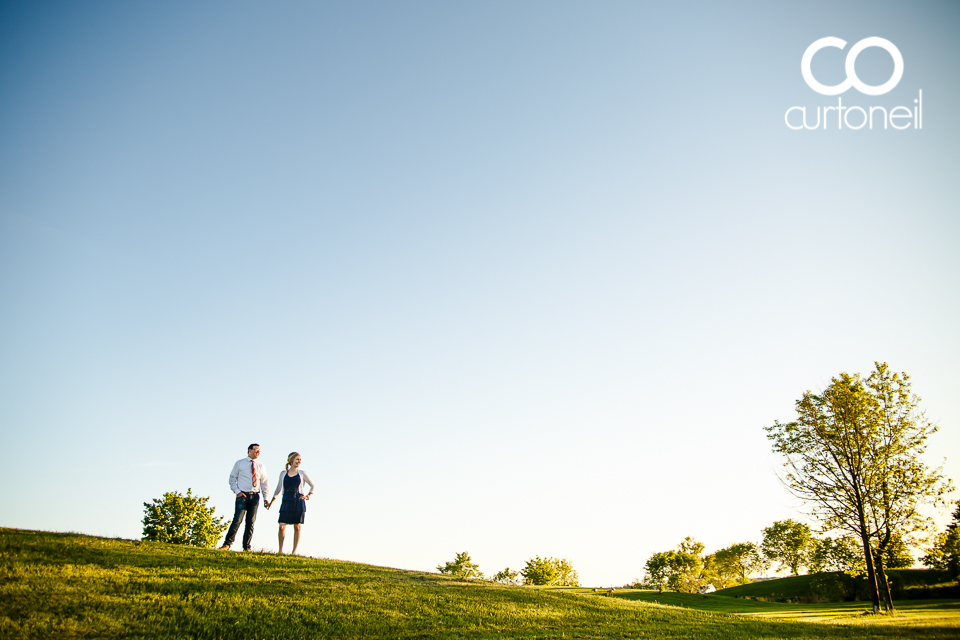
x: 241, y: 478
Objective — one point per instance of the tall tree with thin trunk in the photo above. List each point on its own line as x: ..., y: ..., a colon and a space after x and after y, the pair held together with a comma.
x: 826, y: 451
x: 905, y: 481
x: 854, y: 455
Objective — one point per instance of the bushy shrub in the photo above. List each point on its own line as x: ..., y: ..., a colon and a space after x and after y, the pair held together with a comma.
x: 461, y: 567
x: 182, y: 519
x: 550, y: 571
x: 507, y: 577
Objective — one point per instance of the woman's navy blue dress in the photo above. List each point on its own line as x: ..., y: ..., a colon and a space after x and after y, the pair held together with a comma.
x: 293, y: 507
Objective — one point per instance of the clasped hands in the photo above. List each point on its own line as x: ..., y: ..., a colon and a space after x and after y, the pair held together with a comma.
x: 267, y: 504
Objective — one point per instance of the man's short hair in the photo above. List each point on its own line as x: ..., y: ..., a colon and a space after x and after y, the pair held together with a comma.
x: 252, y: 446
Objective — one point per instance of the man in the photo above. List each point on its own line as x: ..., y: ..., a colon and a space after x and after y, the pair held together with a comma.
x: 247, y: 480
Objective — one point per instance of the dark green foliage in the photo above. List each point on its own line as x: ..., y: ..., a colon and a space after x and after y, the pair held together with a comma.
x: 182, y: 519
x: 792, y: 588
x: 461, y: 567
x: 839, y: 586
x: 832, y: 586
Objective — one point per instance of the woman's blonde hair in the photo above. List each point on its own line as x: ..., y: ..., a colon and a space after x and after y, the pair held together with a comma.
x: 290, y: 459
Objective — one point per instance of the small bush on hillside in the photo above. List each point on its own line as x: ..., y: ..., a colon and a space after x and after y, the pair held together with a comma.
x: 539, y: 571
x: 507, y: 577
x: 550, y: 571
x: 462, y: 567
x: 182, y: 519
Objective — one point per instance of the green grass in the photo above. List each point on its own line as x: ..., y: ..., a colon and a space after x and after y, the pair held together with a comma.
x: 909, y: 582
x: 74, y: 586
x: 792, y: 587
x: 923, y: 613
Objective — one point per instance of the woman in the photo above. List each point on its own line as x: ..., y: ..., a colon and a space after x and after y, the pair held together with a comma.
x: 294, y: 501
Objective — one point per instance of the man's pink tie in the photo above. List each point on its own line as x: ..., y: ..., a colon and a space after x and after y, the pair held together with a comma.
x: 253, y: 470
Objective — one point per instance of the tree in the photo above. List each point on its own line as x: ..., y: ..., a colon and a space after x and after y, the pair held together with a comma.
x: 836, y: 554
x: 681, y: 570
x: 903, y: 480
x: 686, y: 573
x: 539, y: 571
x: 461, y: 567
x: 945, y: 554
x: 854, y: 454
x: 789, y: 543
x: 507, y: 577
x: 550, y: 571
x: 182, y: 519
x: 896, y: 555
x: 827, y: 457
x: 658, y: 569
x: 566, y: 574
x: 735, y: 563
x: 688, y: 566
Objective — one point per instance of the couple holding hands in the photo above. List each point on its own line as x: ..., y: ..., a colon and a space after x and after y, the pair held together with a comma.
x: 249, y: 479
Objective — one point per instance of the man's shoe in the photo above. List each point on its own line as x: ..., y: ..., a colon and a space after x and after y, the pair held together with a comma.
x: 225, y: 548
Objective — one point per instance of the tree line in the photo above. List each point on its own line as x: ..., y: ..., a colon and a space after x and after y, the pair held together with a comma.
x: 787, y: 545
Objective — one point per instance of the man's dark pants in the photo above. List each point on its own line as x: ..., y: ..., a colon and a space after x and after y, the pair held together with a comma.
x: 247, y: 503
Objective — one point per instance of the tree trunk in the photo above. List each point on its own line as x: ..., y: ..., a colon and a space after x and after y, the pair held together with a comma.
x: 871, y: 573
x: 884, y: 585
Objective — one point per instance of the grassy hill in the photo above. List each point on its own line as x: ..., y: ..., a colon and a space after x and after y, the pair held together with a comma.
x: 74, y: 586
x: 792, y: 587
x: 905, y: 583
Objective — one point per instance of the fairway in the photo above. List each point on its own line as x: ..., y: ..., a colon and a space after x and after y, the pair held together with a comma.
x: 74, y: 586
x: 915, y: 613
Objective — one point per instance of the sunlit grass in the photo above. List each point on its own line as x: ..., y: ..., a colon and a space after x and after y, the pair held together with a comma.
x: 910, y: 581
x: 914, y: 613
x: 72, y: 586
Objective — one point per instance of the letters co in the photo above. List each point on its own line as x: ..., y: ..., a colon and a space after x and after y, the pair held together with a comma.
x: 840, y: 116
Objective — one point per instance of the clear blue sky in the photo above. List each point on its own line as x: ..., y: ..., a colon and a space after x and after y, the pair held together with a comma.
x: 515, y: 278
